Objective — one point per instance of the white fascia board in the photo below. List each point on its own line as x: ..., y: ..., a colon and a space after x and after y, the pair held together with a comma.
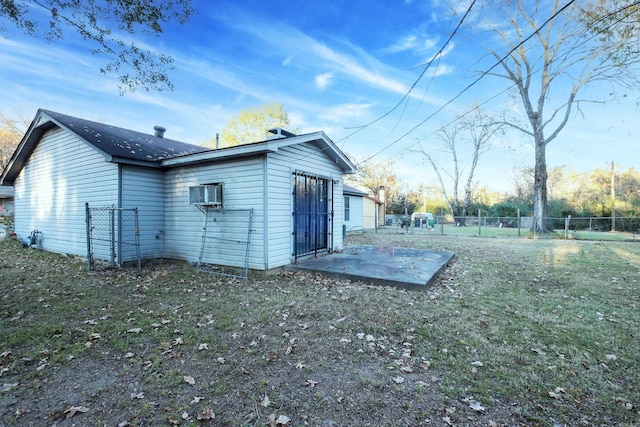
x: 239, y: 151
x: 269, y: 146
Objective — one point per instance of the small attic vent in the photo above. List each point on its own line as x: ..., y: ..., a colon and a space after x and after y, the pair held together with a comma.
x: 159, y: 131
x: 277, y: 133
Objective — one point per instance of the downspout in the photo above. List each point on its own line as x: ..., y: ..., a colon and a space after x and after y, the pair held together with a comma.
x: 333, y: 223
x: 265, y: 209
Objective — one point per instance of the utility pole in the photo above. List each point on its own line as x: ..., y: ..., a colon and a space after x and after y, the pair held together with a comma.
x: 613, y: 197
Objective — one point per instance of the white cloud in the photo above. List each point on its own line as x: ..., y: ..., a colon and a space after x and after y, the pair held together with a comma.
x: 289, y: 41
x: 323, y: 80
x: 345, y: 112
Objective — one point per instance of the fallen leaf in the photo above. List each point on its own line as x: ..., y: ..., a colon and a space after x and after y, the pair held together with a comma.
x: 189, y: 380
x: 75, y: 410
x: 477, y: 363
x: 203, y: 346
x: 137, y: 395
x: 207, y: 414
x: 537, y: 350
x: 265, y: 401
x: 398, y: 379
x: 178, y: 341
x: 309, y: 383
x: 611, y: 357
x: 476, y: 406
x: 135, y: 330
x: 299, y: 365
x: 282, y: 420
x: 425, y: 364
x: 9, y: 386
x: 196, y: 400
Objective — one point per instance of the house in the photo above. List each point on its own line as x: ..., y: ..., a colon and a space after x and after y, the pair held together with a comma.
x: 373, y: 208
x: 6, y: 200
x: 291, y: 183
x: 353, y: 208
x: 363, y: 211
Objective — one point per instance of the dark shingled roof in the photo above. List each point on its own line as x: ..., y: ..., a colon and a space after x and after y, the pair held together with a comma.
x: 125, y: 143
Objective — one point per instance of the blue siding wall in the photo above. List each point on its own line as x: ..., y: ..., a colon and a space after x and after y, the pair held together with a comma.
x: 143, y: 188
x: 62, y: 174
x: 243, y: 189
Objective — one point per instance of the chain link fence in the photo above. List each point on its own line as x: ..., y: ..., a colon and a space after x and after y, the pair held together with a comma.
x: 113, y: 236
x: 582, y: 228
x: 226, y: 237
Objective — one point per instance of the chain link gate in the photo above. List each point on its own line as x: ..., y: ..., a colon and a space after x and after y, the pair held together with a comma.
x: 226, y: 236
x: 113, y: 235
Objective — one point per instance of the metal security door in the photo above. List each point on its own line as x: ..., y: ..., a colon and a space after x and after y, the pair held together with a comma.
x: 311, y: 214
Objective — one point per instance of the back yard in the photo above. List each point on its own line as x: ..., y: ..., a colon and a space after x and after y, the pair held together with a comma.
x: 516, y: 332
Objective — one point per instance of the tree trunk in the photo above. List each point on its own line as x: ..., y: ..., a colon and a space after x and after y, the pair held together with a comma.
x: 540, y: 189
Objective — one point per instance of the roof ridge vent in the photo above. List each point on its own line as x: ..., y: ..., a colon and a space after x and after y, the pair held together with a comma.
x: 277, y: 133
x: 159, y: 131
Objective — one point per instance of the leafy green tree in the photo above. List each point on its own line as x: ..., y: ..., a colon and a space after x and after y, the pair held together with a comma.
x: 107, y: 25
x: 252, y: 125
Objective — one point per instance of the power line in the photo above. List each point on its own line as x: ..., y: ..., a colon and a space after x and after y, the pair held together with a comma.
x: 599, y: 32
x: 415, y: 83
x: 469, y: 86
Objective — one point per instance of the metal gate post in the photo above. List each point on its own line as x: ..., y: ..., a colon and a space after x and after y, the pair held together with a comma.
x: 88, y: 221
x: 137, y: 234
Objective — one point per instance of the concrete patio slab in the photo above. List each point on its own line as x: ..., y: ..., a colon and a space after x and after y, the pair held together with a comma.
x: 406, y: 268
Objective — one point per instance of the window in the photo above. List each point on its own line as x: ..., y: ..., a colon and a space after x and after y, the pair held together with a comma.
x: 208, y: 194
x: 346, y: 209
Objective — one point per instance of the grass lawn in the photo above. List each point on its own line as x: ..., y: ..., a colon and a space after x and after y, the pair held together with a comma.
x: 516, y: 332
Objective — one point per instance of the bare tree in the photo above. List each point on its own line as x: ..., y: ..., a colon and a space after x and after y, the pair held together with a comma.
x: 555, y: 45
x: 11, y: 132
x: 473, y: 134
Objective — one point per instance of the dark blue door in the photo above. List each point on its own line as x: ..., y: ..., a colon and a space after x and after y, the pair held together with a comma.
x: 311, y: 214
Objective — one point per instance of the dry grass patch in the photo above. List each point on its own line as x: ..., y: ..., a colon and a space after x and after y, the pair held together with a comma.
x: 517, y: 332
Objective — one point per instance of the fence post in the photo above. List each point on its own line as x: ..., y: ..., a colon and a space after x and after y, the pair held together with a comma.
x: 137, y: 239
x: 479, y: 223
x: 518, y: 221
x: 113, y: 237
x: 566, y: 226
x: 88, y: 221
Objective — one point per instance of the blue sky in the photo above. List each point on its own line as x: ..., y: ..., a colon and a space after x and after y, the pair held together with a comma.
x: 335, y: 66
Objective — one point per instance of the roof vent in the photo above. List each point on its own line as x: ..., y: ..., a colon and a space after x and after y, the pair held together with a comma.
x: 159, y: 131
x: 277, y: 133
